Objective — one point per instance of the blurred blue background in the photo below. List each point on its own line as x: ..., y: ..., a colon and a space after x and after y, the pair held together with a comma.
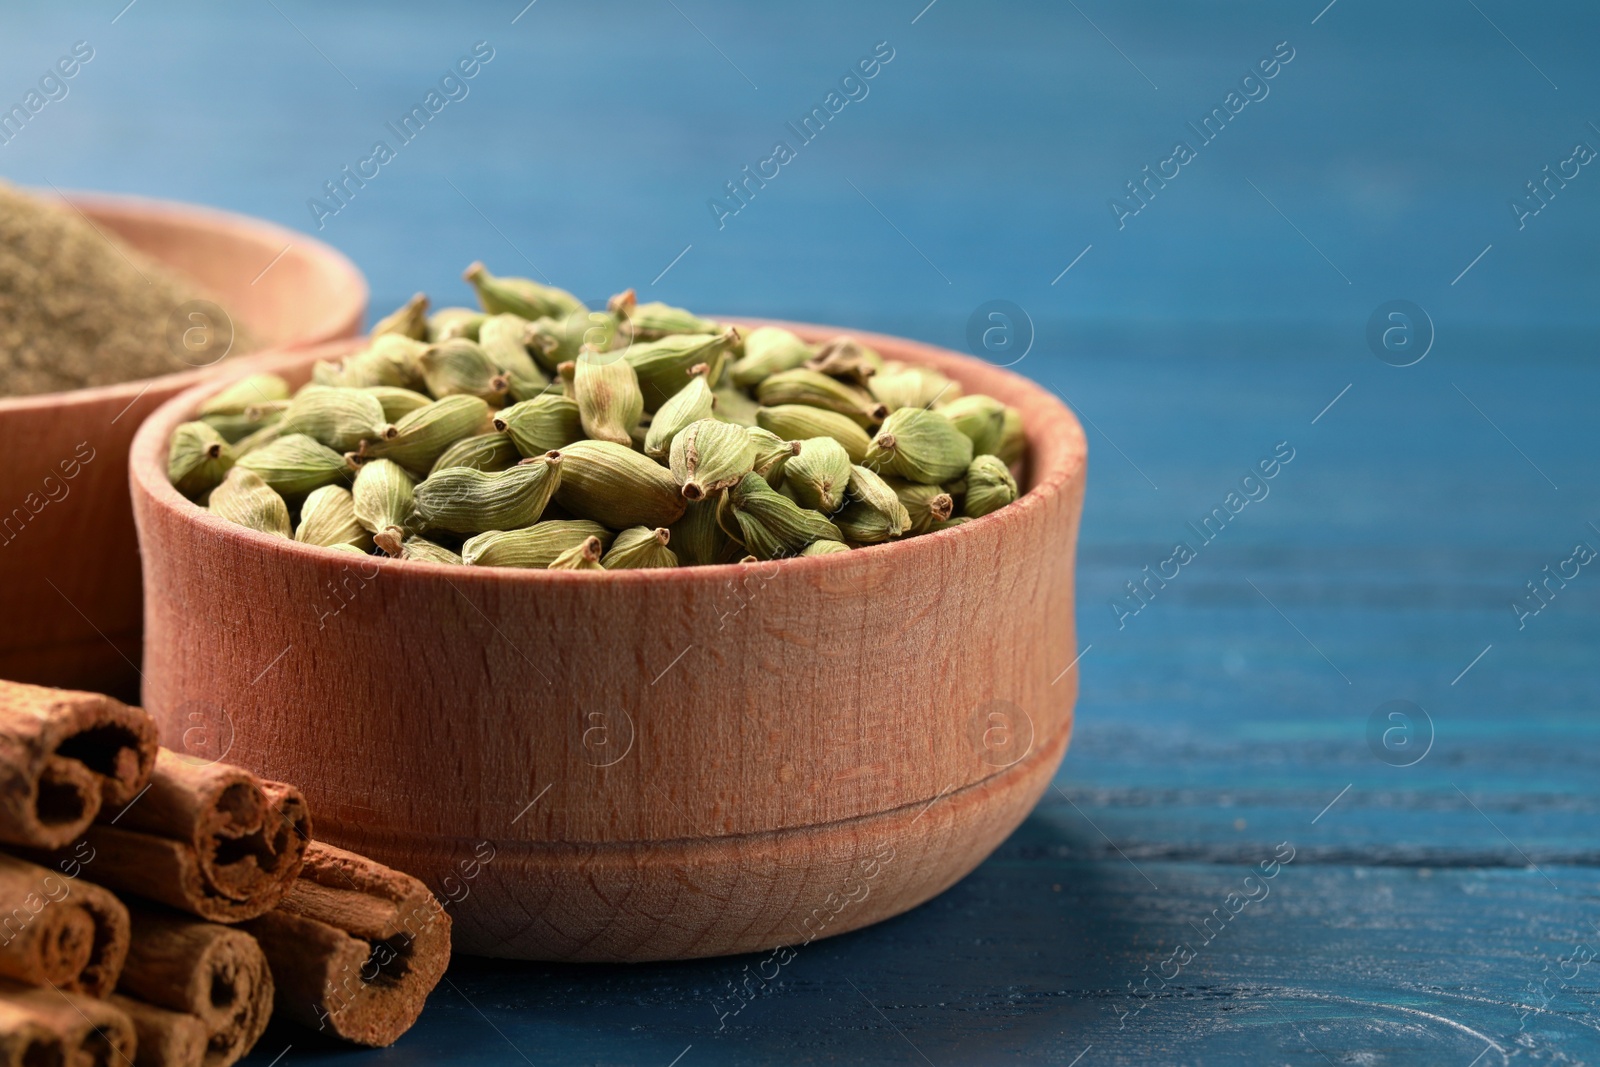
x: 1436, y: 910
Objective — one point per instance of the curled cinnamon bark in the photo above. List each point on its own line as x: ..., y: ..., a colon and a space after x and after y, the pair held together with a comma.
x: 60, y: 931
x: 355, y: 947
x: 47, y: 1026
x: 63, y: 756
x: 209, y: 839
x: 217, y: 974
x: 166, y: 1038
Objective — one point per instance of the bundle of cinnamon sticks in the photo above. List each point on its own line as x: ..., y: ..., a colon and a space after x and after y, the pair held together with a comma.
x: 158, y: 910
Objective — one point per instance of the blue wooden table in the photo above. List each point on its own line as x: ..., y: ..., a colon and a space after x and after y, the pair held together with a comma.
x: 1334, y: 788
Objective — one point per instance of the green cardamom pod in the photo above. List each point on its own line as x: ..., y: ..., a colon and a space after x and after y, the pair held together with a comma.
x: 925, y: 504
x: 734, y: 405
x: 710, y: 455
x: 610, y: 403
x: 655, y: 320
x: 337, y: 417
x: 535, y: 546
x: 874, y: 513
x: 328, y: 518
x: 949, y: 524
x: 690, y: 404
x: 769, y: 524
x: 617, y: 486
x: 801, y: 386
x: 920, y: 446
x: 639, y: 548
x: 549, y: 421
x: 1013, y: 439
x: 485, y: 452
x: 425, y: 550
x: 421, y: 437
x: 584, y: 556
x: 768, y: 350
x: 520, y: 296
x: 295, y: 464
x: 661, y: 365
x: 248, y: 392
x: 796, y: 422
x: 819, y: 475
x: 824, y: 548
x: 462, y: 500
x: 697, y: 538
x: 410, y: 320
x: 990, y: 487
x: 198, y: 458
x: 398, y: 402
x: 982, y: 418
x: 504, y: 339
x: 384, y: 496
x: 847, y: 359
x: 352, y: 549
x: 454, y: 322
x: 245, y: 499
x: 772, y: 454
x: 902, y: 386
x: 461, y: 367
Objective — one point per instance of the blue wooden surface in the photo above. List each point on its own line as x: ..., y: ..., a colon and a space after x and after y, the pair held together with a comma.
x: 1442, y: 912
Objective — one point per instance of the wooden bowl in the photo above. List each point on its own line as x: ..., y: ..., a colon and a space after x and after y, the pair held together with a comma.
x: 69, y: 562
x: 640, y: 765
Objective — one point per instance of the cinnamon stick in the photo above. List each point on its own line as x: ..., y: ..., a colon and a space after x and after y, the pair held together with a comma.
x: 355, y: 947
x: 63, y: 756
x: 166, y: 1038
x: 209, y: 839
x: 48, y: 1026
x: 59, y: 931
x: 216, y: 974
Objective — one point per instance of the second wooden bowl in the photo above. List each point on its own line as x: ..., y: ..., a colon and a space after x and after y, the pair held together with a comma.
x: 69, y: 562
x: 639, y: 765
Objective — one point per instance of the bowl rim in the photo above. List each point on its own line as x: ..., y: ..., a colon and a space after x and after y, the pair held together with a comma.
x: 180, y: 211
x: 148, y: 479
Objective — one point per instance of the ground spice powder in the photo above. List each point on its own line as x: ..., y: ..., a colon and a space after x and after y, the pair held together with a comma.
x: 77, y: 310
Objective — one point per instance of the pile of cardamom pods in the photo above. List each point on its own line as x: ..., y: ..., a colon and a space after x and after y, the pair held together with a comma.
x: 539, y: 433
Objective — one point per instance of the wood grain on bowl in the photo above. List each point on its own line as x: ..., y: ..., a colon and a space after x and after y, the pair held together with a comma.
x: 69, y: 564
x: 643, y: 764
